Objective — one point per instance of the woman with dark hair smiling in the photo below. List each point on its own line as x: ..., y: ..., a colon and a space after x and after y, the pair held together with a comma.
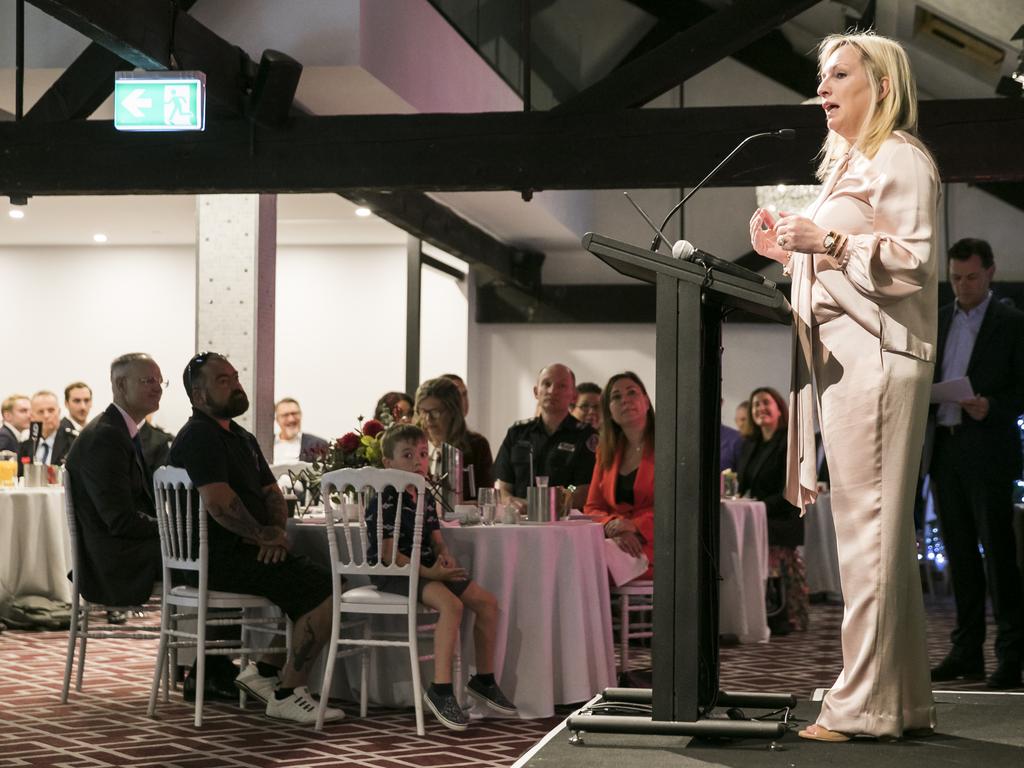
x: 762, y: 475
x: 439, y: 414
x: 622, y: 488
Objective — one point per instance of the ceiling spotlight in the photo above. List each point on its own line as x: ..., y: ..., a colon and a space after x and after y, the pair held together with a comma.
x: 16, y: 213
x: 99, y: 237
x: 363, y: 212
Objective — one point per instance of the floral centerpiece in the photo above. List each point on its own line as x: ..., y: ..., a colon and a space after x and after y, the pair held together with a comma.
x: 358, y: 448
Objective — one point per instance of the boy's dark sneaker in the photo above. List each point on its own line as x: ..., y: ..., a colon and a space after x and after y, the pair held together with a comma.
x: 446, y: 709
x: 492, y: 696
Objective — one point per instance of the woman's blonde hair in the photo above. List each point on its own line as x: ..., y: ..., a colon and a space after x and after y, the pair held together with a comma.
x: 897, y: 111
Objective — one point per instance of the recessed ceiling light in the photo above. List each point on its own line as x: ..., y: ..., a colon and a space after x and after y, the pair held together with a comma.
x: 364, y: 212
x: 99, y: 237
x: 16, y: 213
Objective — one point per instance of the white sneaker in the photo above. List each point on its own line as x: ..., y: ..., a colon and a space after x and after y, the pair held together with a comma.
x: 256, y: 685
x: 300, y: 707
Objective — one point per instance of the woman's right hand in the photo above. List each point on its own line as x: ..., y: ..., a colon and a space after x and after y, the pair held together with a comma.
x: 763, y: 237
x: 617, y: 526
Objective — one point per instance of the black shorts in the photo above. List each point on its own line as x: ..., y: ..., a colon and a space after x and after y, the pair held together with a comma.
x: 399, y: 585
x: 296, y: 585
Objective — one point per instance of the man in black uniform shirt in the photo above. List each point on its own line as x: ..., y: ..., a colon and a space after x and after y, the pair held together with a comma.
x: 553, y: 444
x: 247, y: 536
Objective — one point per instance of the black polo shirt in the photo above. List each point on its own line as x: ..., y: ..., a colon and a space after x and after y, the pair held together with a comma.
x: 566, y: 456
x: 212, y: 454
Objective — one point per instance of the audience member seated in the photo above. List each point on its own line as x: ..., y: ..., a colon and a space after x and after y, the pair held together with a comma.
x: 112, y: 488
x: 443, y: 584
x: 553, y: 444
x: 78, y: 402
x: 439, y: 413
x: 762, y: 475
x: 475, y: 437
x: 55, y: 442
x: 291, y: 444
x: 156, y: 443
x: 17, y: 415
x: 622, y: 488
x: 587, y: 407
x: 248, y: 545
x: 394, y: 408
x: 742, y: 418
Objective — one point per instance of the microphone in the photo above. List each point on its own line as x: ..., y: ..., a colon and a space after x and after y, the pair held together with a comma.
x: 683, y: 249
x: 786, y: 134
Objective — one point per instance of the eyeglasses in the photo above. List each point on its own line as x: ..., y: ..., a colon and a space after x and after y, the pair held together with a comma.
x: 430, y: 413
x: 149, y: 381
x: 585, y: 407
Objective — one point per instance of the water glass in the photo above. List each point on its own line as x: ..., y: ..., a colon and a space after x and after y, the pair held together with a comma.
x: 486, y: 499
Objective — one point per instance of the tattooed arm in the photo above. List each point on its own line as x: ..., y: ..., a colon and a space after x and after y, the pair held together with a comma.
x: 276, y: 505
x: 227, y: 509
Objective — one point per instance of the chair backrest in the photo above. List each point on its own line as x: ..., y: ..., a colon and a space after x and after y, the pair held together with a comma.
x: 69, y: 511
x: 181, y: 517
x: 349, y: 542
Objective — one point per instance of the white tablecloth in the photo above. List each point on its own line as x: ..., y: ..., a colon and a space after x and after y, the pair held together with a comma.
x: 820, y: 556
x: 554, y: 640
x: 743, y: 565
x: 35, y: 551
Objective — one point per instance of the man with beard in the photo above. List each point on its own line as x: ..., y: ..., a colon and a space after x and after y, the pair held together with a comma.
x: 248, y: 544
x: 553, y: 444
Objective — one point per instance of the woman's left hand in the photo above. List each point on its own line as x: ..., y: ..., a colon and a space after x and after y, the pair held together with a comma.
x: 798, y: 233
x: 629, y: 543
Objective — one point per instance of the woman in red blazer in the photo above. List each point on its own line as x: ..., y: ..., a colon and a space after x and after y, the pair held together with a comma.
x: 622, y: 489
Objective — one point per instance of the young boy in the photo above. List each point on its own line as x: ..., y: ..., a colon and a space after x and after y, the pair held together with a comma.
x: 443, y: 585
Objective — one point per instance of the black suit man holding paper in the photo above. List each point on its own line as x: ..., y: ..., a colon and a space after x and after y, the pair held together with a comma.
x: 976, y: 458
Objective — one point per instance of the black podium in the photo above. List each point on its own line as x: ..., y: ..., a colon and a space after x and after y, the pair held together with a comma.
x: 691, y: 303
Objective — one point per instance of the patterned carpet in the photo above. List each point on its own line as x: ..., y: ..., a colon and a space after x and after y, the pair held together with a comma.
x: 106, y: 724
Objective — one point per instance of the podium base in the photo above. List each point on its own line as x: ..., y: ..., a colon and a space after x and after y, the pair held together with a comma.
x: 591, y: 720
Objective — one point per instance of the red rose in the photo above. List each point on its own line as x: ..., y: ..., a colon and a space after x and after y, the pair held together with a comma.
x: 348, y: 442
x: 372, y: 428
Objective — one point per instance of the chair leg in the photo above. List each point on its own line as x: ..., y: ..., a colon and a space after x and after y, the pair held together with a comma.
x: 161, y: 659
x: 623, y: 633
x: 417, y: 686
x: 364, y: 672
x: 83, y: 636
x: 330, y: 654
x: 243, y: 658
x: 69, y: 660
x: 200, y: 664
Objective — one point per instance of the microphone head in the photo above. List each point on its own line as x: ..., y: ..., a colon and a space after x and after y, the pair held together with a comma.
x: 683, y: 249
x: 786, y: 134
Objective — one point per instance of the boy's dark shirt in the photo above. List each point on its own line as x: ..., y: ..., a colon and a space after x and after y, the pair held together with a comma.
x: 430, y: 524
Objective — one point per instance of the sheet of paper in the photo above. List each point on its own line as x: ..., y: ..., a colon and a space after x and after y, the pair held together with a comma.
x: 952, y: 391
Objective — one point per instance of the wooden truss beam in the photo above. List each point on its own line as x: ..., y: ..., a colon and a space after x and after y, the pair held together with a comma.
x: 647, y: 148
x: 685, y: 54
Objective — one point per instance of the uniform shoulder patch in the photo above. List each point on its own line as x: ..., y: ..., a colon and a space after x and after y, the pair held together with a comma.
x: 522, y: 422
x: 592, y: 443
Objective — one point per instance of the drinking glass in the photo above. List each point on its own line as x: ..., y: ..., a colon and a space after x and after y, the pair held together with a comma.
x: 486, y: 499
x: 8, y: 468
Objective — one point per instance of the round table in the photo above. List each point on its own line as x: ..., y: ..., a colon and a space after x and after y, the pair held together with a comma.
x: 554, y: 639
x: 35, y: 551
x: 743, y: 565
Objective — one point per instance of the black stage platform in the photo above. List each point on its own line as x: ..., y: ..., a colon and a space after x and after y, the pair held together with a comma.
x: 976, y: 730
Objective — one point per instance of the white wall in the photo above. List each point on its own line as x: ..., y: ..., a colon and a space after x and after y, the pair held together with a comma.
x: 70, y: 311
x: 507, y: 358
x: 444, y: 323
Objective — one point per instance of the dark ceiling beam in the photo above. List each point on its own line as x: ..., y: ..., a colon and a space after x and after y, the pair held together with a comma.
x: 772, y: 54
x: 423, y: 217
x: 85, y: 84
x: 685, y: 54
x: 640, y: 148
x: 155, y: 34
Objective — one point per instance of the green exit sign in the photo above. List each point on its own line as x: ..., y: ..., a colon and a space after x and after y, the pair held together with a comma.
x: 160, y: 101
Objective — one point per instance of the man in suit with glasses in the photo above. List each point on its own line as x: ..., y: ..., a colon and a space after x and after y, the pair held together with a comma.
x: 118, y: 547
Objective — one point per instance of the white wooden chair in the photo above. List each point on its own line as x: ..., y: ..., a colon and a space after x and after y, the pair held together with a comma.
x: 79, y: 631
x: 182, y: 519
x: 633, y: 597
x: 348, y: 543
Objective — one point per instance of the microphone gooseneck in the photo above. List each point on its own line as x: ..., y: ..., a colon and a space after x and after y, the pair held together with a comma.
x: 786, y: 134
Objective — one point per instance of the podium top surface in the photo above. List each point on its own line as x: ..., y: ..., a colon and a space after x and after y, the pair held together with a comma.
x: 646, y: 265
